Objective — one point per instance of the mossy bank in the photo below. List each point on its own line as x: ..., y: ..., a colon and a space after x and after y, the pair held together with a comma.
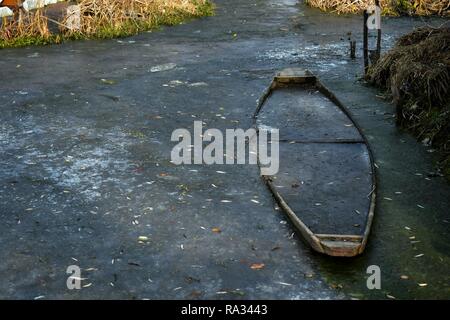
x: 416, y: 73
x: 99, y: 19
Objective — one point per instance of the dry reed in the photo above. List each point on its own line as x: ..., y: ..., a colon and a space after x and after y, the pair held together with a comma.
x: 100, y: 19
x: 109, y: 18
x: 389, y: 7
x: 416, y: 72
x: 25, y: 25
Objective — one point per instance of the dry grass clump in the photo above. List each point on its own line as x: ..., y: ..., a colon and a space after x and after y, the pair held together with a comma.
x: 344, y: 6
x: 110, y: 18
x: 417, y: 74
x: 389, y: 7
x: 99, y: 19
x: 27, y: 26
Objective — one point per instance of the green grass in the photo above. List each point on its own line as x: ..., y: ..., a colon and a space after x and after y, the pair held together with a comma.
x: 24, y: 41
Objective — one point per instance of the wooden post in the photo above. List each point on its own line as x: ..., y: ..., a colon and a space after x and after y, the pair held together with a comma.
x: 366, y: 42
x: 352, y: 49
x: 377, y: 3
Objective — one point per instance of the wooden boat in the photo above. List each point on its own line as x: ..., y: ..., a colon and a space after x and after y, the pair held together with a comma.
x: 326, y: 182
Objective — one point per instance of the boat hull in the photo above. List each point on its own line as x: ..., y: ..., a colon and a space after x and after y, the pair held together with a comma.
x: 326, y: 183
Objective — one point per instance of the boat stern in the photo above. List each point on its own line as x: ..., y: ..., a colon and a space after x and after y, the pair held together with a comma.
x: 294, y: 76
x: 341, y: 246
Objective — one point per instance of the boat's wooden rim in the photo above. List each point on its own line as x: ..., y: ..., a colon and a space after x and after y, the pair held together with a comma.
x: 331, y: 244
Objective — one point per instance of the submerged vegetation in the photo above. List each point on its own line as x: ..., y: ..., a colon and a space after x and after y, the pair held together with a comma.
x: 389, y: 7
x: 416, y: 72
x: 100, y: 19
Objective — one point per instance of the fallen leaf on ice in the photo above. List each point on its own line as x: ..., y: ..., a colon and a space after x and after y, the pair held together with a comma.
x: 106, y: 81
x: 198, y: 84
x: 257, y: 266
x: 284, y: 283
x: 221, y: 292
x: 163, y: 67
x: 422, y: 284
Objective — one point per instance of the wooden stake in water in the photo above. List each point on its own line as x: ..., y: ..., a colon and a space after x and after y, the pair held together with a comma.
x: 366, y: 42
x: 374, y: 54
x: 352, y: 49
